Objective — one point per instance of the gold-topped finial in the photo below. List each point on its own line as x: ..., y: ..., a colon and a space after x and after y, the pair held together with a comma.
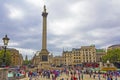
x: 44, y: 8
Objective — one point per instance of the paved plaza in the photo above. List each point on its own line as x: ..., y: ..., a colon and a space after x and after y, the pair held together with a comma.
x: 65, y: 77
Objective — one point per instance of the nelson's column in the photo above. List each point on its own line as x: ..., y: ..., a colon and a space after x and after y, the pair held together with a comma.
x: 44, y: 52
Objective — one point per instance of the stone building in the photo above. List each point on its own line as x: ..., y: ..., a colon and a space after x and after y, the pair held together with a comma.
x: 88, y: 54
x: 76, y: 56
x: 85, y: 54
x: 36, y: 58
x: 117, y: 46
x: 16, y: 57
x: 67, y: 58
x: 58, y: 60
x: 99, y: 54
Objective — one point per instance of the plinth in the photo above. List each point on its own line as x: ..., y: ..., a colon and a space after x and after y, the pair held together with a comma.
x: 44, y: 60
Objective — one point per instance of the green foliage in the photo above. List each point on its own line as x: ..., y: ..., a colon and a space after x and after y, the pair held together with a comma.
x: 100, y: 50
x: 112, y: 56
x: 26, y: 62
x: 7, y: 58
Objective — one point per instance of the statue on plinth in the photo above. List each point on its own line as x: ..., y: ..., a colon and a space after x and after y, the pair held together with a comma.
x: 108, y: 63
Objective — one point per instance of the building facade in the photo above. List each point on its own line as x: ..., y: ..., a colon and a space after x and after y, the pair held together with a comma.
x: 67, y: 58
x: 88, y: 54
x: 85, y: 54
x: 58, y: 61
x: 99, y: 54
x: 77, y: 56
x: 16, y: 57
x: 36, y: 59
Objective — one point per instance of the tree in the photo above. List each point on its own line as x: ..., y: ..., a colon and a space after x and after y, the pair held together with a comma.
x: 7, y: 58
x: 26, y: 61
x: 112, y: 56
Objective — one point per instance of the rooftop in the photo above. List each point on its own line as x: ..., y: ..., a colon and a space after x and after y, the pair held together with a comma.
x: 116, y: 45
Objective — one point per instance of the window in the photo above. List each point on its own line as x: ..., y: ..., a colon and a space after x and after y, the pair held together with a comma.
x: 87, y: 60
x: 90, y: 57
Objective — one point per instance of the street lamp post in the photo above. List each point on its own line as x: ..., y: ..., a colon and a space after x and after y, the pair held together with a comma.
x: 5, y: 41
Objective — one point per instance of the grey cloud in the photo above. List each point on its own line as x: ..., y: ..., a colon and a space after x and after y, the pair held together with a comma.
x: 99, y: 15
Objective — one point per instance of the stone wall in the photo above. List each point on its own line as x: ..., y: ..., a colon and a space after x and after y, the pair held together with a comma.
x: 3, y: 74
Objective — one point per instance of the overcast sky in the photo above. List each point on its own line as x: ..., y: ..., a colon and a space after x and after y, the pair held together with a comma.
x: 71, y: 24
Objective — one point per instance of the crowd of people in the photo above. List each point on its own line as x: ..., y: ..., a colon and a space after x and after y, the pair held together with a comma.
x: 16, y: 73
x: 71, y: 73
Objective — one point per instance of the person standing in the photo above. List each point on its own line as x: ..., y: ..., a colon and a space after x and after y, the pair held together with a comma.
x: 98, y: 76
x: 111, y: 77
x: 116, y: 77
x: 82, y: 76
x: 108, y: 77
x: 79, y: 75
x: 94, y: 75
